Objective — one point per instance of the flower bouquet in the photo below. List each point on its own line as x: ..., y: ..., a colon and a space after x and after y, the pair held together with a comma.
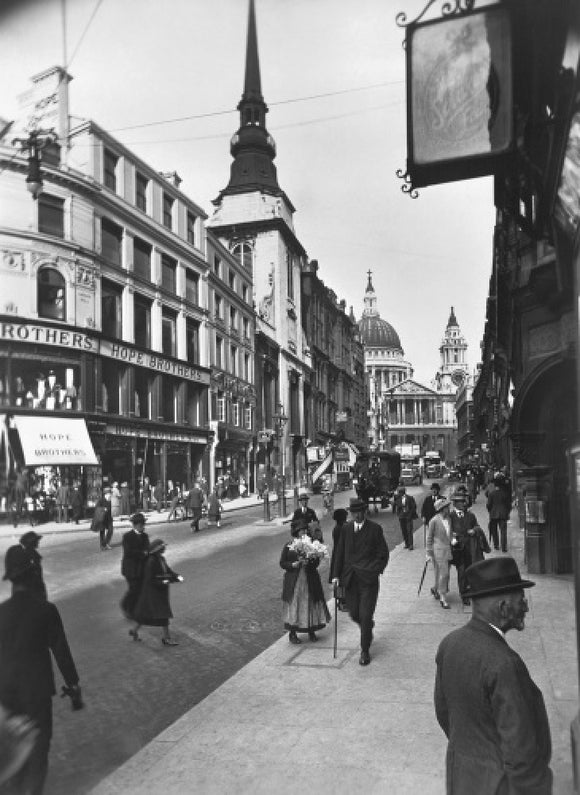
x: 307, y: 549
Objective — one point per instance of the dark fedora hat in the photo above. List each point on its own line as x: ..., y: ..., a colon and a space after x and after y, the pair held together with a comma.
x: 138, y: 518
x: 17, y: 563
x: 356, y: 504
x: 494, y: 576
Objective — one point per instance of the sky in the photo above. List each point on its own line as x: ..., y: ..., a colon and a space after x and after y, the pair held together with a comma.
x: 333, y: 76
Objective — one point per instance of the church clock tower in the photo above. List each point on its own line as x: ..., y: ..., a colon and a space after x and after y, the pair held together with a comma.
x: 453, y: 371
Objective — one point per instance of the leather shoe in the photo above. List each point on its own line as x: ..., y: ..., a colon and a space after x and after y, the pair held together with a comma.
x: 365, y: 658
x: 293, y: 638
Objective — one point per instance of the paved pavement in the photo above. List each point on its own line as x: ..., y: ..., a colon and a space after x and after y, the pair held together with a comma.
x: 8, y: 530
x: 298, y: 719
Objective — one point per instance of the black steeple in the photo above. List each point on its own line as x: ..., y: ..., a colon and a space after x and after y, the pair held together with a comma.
x: 452, y: 319
x: 252, y: 148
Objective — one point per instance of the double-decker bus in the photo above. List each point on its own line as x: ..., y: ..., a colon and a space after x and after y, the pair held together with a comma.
x: 433, y: 465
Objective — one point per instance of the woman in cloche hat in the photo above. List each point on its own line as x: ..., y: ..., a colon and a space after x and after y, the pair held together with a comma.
x: 153, y: 608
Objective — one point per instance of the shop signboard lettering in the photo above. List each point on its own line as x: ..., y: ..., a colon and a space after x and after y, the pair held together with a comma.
x: 44, y: 335
x: 65, y: 338
x: 151, y: 433
x: 153, y: 361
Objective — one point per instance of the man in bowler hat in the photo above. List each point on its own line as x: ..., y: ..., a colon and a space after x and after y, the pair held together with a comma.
x: 361, y: 556
x: 135, y: 550
x: 485, y: 700
x: 30, y: 630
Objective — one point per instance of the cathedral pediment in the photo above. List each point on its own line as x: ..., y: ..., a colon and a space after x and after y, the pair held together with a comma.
x: 410, y: 387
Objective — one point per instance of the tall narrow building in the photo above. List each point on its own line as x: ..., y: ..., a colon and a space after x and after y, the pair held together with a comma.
x: 453, y: 370
x: 254, y: 220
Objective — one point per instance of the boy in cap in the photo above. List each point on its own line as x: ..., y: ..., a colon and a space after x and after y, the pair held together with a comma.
x: 485, y: 700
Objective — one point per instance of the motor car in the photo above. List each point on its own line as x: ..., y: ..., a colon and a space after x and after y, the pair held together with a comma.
x: 454, y: 474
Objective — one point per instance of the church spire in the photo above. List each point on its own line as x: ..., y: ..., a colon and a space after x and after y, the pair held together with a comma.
x: 252, y: 84
x: 452, y: 319
x: 252, y: 147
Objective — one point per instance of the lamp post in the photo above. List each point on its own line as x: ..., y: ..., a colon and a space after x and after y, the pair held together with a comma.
x: 281, y: 419
x: 36, y: 141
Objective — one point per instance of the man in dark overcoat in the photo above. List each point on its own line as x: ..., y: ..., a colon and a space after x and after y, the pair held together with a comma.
x: 428, y: 507
x: 30, y: 630
x: 406, y: 509
x: 361, y: 556
x: 462, y: 522
x: 135, y: 551
x: 499, y: 507
x: 485, y: 700
x: 304, y: 512
x: 195, y: 502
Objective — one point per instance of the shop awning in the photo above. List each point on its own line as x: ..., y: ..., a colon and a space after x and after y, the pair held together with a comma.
x: 54, y: 440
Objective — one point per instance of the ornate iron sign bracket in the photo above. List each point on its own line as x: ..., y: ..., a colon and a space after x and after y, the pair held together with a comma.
x: 448, y: 9
x: 407, y: 186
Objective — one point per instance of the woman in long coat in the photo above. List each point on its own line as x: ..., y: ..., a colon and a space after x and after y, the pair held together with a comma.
x: 439, y: 549
x: 153, y: 608
x: 304, y: 605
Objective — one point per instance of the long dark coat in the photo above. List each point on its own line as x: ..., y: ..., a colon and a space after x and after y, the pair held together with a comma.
x: 366, y: 555
x: 493, y: 715
x: 30, y: 629
x: 153, y: 608
x: 315, y: 590
x: 135, y: 549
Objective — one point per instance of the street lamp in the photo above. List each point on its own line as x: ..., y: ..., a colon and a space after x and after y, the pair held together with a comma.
x: 36, y: 141
x: 281, y: 419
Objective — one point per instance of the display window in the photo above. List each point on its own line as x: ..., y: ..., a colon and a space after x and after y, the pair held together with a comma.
x: 40, y: 384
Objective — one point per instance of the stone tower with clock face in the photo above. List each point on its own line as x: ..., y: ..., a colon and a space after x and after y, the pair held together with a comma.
x: 453, y: 371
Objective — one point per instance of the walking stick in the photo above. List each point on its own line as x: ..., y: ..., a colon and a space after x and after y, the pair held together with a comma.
x: 423, y: 576
x: 335, y: 618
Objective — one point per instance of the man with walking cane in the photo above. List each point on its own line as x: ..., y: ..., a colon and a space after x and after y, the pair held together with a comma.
x: 361, y: 556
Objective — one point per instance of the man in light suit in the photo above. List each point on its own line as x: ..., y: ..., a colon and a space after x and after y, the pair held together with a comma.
x: 361, y: 556
x: 485, y: 700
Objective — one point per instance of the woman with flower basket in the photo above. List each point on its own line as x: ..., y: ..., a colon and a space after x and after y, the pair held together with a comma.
x: 304, y: 605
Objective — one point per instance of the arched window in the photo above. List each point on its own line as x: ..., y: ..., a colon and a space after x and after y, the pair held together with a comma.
x: 244, y: 253
x: 51, y: 294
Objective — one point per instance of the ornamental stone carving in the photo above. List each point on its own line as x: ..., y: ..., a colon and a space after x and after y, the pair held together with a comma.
x: 13, y: 260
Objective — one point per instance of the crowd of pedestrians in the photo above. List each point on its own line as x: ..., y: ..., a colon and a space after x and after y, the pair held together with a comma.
x: 485, y: 700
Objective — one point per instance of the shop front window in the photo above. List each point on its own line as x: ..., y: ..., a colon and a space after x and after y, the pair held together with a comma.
x: 51, y: 294
x: 143, y: 385
x: 40, y: 384
x: 111, y: 374
x: 168, y: 397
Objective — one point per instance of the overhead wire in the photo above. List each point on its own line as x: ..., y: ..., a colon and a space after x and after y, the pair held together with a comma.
x: 85, y: 31
x: 271, y: 104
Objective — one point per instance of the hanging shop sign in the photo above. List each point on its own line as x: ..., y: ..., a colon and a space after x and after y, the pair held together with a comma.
x: 459, y: 96
x: 55, y: 440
